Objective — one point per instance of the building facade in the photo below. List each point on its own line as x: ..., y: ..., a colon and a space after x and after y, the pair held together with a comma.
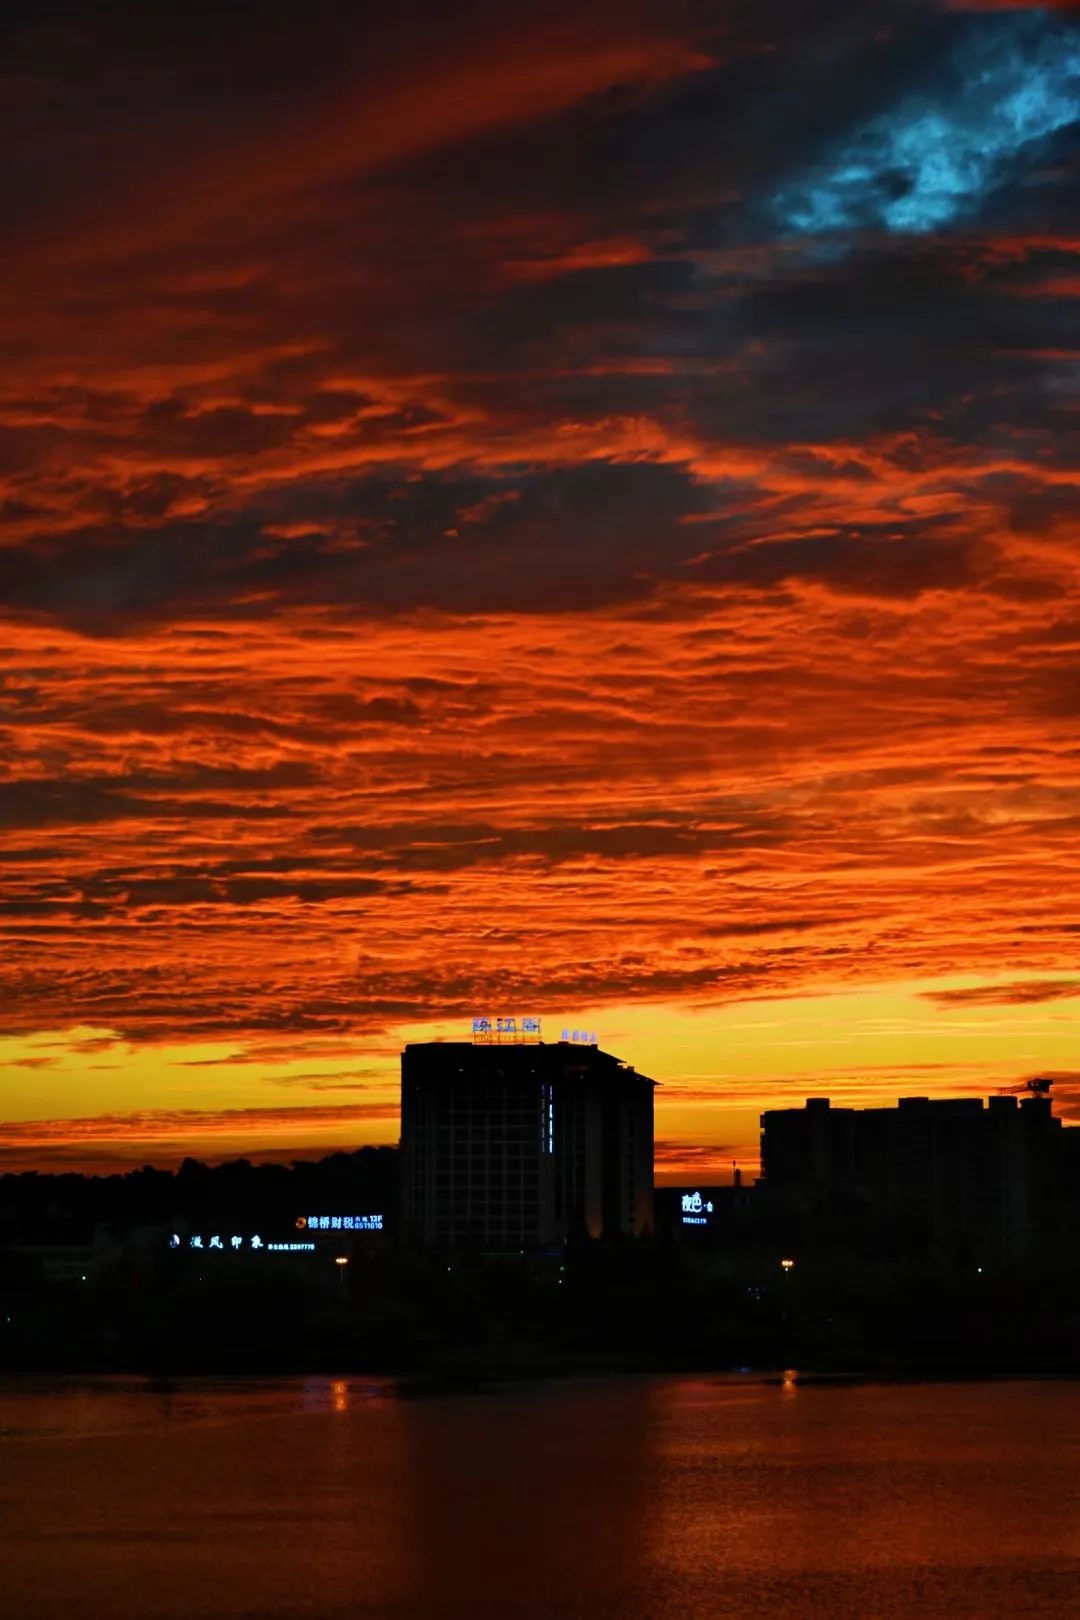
x: 514, y: 1148
x: 962, y: 1180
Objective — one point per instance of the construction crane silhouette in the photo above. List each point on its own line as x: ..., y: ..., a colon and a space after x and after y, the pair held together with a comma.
x: 1041, y: 1087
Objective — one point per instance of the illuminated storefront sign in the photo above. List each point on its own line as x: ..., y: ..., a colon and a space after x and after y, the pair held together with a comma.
x: 236, y: 1243
x: 489, y: 1030
x: 217, y: 1242
x: 339, y: 1223
x: 695, y: 1209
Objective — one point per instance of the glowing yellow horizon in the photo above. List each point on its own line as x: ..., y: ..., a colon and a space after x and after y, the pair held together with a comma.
x: 81, y: 1097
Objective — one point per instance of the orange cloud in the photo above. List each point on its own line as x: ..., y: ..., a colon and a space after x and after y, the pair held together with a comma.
x: 455, y: 552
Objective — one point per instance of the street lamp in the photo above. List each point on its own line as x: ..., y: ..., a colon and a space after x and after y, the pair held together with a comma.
x: 342, y: 1263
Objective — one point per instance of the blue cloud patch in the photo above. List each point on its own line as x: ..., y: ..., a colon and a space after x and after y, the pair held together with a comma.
x: 937, y: 153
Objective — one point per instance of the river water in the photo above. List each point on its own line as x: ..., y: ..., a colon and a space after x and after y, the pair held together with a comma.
x: 322, y: 1499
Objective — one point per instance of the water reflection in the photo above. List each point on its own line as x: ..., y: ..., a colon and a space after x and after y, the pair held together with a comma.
x: 532, y: 1502
x: 871, y: 1501
x: 321, y: 1499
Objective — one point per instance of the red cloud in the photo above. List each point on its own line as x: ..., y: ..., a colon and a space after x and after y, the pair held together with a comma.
x: 450, y: 544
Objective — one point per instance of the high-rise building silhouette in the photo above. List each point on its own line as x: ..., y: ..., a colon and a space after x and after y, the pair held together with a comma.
x: 519, y: 1147
x: 960, y: 1179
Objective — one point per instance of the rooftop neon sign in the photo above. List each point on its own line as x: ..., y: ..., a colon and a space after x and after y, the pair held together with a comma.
x: 490, y: 1031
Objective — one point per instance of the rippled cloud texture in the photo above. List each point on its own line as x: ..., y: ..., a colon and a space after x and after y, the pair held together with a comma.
x: 560, y: 510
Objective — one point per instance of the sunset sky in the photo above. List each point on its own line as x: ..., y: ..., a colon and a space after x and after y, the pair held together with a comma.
x: 562, y: 509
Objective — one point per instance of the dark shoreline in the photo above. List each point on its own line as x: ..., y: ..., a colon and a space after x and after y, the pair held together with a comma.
x: 523, y: 1364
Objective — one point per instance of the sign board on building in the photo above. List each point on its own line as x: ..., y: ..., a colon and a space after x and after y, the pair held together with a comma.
x: 216, y: 1240
x: 490, y: 1031
x: 695, y: 1209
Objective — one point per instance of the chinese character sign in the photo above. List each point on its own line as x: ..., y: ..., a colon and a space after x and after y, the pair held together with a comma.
x: 492, y: 1030
x: 695, y: 1209
x: 236, y: 1242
